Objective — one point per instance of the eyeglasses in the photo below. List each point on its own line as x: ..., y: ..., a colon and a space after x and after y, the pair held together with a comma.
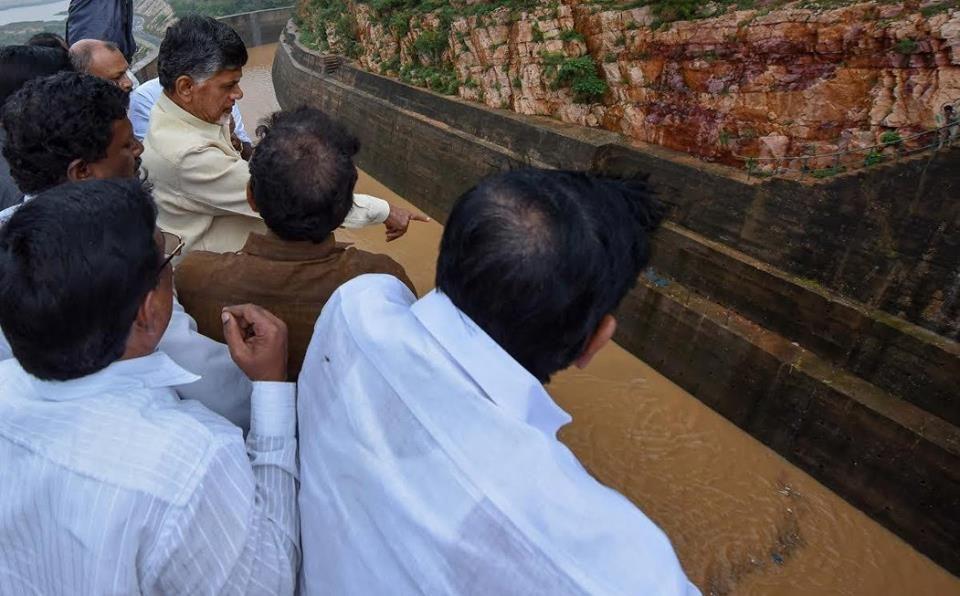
x: 172, y: 247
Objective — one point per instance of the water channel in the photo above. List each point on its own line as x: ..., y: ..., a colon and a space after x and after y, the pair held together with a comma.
x: 46, y: 11
x: 742, y: 519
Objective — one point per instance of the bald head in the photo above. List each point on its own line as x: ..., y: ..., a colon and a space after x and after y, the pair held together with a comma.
x: 101, y: 59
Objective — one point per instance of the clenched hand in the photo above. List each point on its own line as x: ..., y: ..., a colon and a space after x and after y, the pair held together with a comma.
x: 257, y: 340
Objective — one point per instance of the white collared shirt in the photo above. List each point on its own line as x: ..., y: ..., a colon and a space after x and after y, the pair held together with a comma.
x: 429, y: 464
x: 221, y: 386
x: 217, y: 384
x: 112, y: 485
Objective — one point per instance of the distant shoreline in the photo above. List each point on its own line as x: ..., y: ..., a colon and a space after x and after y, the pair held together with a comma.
x: 25, y: 3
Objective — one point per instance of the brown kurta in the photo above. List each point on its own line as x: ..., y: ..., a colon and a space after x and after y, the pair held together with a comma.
x: 293, y: 280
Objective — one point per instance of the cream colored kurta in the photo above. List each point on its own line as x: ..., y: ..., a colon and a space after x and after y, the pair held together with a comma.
x: 200, y: 183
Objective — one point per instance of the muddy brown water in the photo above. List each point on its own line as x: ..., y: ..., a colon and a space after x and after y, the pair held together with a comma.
x: 742, y: 519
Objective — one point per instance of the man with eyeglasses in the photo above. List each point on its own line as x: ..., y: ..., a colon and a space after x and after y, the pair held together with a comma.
x: 44, y: 152
x: 111, y: 483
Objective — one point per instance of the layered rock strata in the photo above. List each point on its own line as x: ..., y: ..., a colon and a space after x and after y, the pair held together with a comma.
x: 787, y: 82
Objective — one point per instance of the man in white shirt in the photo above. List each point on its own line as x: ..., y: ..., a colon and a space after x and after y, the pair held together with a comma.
x: 98, y: 144
x: 200, y: 179
x: 111, y: 483
x: 429, y: 457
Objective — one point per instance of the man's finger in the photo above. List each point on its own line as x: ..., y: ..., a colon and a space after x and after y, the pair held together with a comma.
x: 232, y: 333
x: 419, y: 217
x: 257, y: 319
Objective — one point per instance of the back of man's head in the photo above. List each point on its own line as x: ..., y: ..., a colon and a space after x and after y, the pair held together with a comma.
x: 53, y: 121
x: 538, y: 258
x: 302, y: 174
x: 75, y: 264
x: 198, y: 47
x: 19, y: 64
x: 48, y: 39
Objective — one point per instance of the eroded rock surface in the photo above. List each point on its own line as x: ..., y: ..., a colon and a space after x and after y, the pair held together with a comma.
x: 787, y: 82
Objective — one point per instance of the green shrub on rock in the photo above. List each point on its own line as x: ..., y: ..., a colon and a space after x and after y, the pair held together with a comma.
x: 580, y: 75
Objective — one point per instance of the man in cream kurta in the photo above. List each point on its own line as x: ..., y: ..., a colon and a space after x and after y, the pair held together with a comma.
x: 200, y: 182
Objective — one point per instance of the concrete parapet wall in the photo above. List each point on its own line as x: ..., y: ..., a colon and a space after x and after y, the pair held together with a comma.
x: 255, y: 28
x: 744, y: 272
x: 260, y: 26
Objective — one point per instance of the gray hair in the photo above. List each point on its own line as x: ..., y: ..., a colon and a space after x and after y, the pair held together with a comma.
x: 81, y: 53
x: 198, y: 47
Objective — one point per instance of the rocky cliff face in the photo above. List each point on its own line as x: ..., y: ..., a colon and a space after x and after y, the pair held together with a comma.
x: 761, y: 82
x: 157, y: 16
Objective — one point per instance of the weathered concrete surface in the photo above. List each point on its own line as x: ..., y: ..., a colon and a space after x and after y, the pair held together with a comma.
x: 260, y: 26
x: 255, y: 28
x: 733, y: 286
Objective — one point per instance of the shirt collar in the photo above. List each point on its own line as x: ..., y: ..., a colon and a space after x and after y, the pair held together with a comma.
x: 148, y: 372
x: 510, y: 386
x: 214, y: 131
x: 271, y: 247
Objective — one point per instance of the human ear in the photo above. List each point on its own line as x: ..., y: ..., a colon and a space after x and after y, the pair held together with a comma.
x: 78, y: 170
x: 250, y: 200
x: 183, y: 87
x: 600, y: 338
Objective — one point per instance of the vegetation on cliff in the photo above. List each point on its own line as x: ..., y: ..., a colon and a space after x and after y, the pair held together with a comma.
x: 761, y: 78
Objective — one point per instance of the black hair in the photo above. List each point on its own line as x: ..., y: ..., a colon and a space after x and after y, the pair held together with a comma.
x: 75, y: 265
x: 537, y: 258
x: 48, y: 39
x: 19, y: 64
x: 52, y: 121
x: 302, y: 174
x: 199, y: 47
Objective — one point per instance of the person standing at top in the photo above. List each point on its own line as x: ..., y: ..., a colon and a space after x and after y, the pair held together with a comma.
x: 106, y: 20
x: 200, y: 178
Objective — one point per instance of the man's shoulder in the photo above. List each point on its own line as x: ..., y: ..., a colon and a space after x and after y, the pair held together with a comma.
x: 131, y: 441
x: 363, y: 308
x: 361, y: 293
x: 363, y: 262
x: 199, y: 265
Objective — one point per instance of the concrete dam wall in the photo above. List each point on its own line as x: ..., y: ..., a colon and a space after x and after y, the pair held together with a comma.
x: 255, y: 28
x: 820, y: 318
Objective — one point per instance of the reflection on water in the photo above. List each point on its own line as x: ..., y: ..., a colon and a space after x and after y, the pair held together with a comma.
x: 743, y: 520
x: 48, y: 11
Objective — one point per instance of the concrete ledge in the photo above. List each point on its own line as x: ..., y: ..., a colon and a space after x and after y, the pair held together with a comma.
x: 260, y: 26
x: 255, y: 28
x: 907, y: 360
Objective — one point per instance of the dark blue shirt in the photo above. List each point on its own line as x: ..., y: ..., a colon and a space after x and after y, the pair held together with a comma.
x: 106, y: 20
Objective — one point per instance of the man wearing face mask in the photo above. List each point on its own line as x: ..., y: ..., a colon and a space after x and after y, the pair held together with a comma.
x: 200, y: 178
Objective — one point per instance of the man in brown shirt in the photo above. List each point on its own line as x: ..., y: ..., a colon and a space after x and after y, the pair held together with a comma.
x: 302, y: 178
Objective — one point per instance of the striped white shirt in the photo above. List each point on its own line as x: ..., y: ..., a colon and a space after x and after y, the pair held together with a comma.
x: 111, y: 484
